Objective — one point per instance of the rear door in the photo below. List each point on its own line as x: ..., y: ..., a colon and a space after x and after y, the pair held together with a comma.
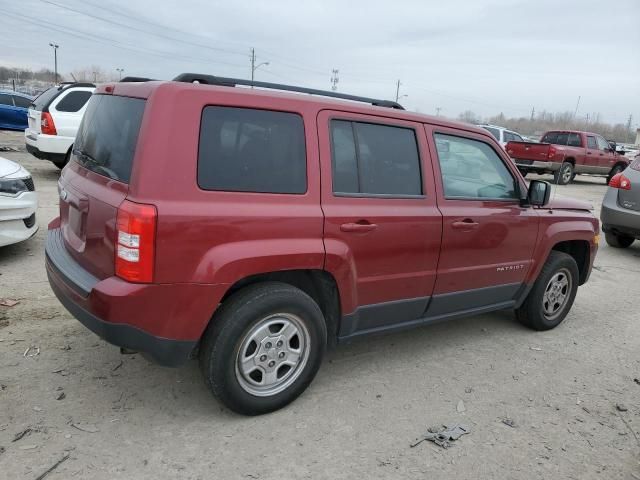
x: 487, y: 238
x: 382, y: 226
x: 95, y: 182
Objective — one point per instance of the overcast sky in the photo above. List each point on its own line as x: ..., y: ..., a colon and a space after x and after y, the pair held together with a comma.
x: 488, y: 56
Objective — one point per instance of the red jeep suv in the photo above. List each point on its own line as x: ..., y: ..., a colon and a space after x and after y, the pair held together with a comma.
x: 253, y: 228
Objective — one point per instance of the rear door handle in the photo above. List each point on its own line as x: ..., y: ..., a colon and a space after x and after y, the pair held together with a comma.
x: 466, y: 224
x: 358, y: 227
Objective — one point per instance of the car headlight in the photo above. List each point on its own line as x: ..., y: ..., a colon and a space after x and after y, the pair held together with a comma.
x: 13, y: 186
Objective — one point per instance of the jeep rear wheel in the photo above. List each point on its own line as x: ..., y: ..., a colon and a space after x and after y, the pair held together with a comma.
x: 552, y: 295
x: 263, y: 348
x: 618, y: 241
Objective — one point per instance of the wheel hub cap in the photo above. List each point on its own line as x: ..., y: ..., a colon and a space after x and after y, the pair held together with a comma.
x: 272, y: 354
x: 556, y: 294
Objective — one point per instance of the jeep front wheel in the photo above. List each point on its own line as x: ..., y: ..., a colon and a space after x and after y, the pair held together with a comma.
x: 552, y: 295
x: 263, y: 348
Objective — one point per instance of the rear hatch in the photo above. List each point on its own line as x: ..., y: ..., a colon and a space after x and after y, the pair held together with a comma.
x: 36, y: 108
x: 95, y: 182
x: 528, y: 152
x: 631, y: 198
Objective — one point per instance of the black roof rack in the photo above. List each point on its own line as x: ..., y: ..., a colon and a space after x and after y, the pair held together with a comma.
x: 232, y: 82
x: 136, y: 79
x: 75, y: 84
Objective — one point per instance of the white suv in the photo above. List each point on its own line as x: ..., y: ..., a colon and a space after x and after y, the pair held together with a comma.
x: 502, y: 135
x: 54, y: 118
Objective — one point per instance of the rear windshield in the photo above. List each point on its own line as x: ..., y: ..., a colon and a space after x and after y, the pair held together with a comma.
x: 562, y: 138
x: 44, y: 98
x: 106, y: 140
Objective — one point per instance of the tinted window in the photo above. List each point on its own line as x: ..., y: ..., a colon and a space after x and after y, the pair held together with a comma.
x: 516, y: 137
x: 374, y: 159
x: 574, y: 140
x: 22, y: 102
x: 591, y: 142
x: 472, y: 170
x: 73, y: 101
x: 493, y: 131
x: 107, y: 136
x: 556, y: 138
x: 245, y: 150
x: 6, y: 100
x: 45, y: 97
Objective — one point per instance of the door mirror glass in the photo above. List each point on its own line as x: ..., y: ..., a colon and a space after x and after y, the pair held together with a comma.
x: 539, y: 193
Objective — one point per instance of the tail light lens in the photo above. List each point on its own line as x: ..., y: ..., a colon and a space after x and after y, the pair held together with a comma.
x: 620, y: 181
x: 135, y: 242
x: 46, y: 124
x: 552, y: 152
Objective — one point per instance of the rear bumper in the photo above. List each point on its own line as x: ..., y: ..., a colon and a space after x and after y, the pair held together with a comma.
x: 162, y: 321
x: 47, y: 147
x: 616, y: 219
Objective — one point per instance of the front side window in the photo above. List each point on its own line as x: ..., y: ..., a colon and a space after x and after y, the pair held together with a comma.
x: 6, y: 100
x: 247, y: 150
x: 472, y: 170
x: 516, y: 137
x: 602, y: 143
x: 375, y: 159
x: 591, y: 142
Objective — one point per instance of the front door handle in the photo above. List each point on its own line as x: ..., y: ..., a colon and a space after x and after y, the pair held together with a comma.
x: 466, y: 224
x: 359, y: 227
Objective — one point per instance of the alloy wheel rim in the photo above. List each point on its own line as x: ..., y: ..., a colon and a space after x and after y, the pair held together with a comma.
x: 566, y: 176
x: 556, y: 294
x: 272, y: 354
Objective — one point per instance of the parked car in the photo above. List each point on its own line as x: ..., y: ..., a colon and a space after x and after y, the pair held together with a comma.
x: 620, y: 213
x: 13, y: 110
x: 253, y: 229
x: 502, y: 134
x: 54, y: 118
x: 567, y: 153
x: 18, y: 203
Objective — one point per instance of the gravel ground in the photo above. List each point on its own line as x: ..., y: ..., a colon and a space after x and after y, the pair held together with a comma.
x: 121, y: 417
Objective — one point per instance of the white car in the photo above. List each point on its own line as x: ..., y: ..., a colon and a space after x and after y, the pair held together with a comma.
x: 18, y: 203
x: 54, y: 118
x: 502, y: 135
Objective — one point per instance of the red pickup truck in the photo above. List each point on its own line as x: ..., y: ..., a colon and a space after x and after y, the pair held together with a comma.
x: 566, y: 153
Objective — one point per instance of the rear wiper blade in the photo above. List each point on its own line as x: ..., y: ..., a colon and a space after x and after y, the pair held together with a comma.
x: 85, y: 156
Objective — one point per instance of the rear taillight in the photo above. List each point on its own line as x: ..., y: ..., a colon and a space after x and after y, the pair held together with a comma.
x: 46, y: 124
x: 552, y: 152
x: 135, y: 241
x: 620, y: 181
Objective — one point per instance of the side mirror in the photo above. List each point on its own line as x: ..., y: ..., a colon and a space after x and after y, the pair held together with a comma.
x: 539, y: 193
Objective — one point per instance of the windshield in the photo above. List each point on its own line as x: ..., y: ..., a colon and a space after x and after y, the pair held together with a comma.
x: 108, y: 134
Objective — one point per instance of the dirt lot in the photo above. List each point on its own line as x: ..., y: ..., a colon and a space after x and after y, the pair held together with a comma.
x: 121, y: 417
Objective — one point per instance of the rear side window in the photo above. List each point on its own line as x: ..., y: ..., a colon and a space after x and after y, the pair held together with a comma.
x: 108, y: 134
x: 73, y: 101
x: 6, y: 100
x: 247, y: 150
x: 45, y: 97
x: 369, y: 158
x: 21, y: 102
x: 493, y: 131
x: 574, y: 140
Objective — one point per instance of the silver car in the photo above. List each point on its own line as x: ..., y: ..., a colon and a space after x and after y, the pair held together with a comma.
x: 620, y: 214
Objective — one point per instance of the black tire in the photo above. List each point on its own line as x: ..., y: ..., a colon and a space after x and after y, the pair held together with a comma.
x: 524, y: 172
x: 614, y: 171
x: 564, y: 175
x: 618, y: 241
x: 531, y: 312
x: 230, y: 327
x: 62, y: 163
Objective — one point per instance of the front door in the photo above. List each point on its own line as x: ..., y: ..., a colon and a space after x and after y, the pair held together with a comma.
x: 382, y: 227
x: 488, y: 238
x: 606, y: 157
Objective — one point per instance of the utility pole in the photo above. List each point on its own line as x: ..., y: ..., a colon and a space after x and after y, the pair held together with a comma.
x: 334, y: 79
x: 533, y: 113
x: 577, y: 105
x: 55, y: 61
x: 397, y: 90
x: 95, y: 77
x: 254, y: 67
x: 438, y: 111
x: 629, y: 125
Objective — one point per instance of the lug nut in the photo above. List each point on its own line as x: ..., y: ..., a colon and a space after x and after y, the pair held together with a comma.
x: 281, y: 355
x: 263, y: 358
x: 279, y: 344
x: 272, y: 363
x: 268, y: 345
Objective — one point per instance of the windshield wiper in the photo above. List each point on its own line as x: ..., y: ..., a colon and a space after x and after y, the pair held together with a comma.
x: 86, y: 157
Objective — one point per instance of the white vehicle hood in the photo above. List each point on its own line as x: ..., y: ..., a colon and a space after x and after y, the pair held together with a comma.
x: 9, y: 169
